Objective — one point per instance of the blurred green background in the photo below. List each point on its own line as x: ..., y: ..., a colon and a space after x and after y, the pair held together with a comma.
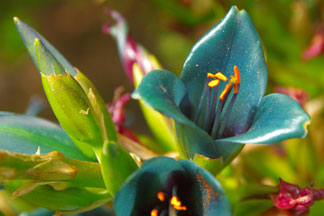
x: 168, y: 28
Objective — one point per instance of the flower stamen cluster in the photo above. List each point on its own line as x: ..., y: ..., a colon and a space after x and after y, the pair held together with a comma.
x: 168, y: 206
x: 214, y: 107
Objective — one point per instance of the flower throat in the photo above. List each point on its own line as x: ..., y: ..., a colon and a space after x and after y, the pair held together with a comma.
x: 214, y: 107
x: 170, y: 205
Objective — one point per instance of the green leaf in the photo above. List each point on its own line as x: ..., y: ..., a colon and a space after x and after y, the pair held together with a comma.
x: 65, y: 201
x: 50, y: 167
x: 24, y: 134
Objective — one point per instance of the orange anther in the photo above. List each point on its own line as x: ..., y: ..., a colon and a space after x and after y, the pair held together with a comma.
x: 210, y: 75
x: 161, y: 196
x: 226, y: 89
x: 154, y: 212
x: 175, y: 202
x: 213, y: 83
x: 220, y: 76
x: 237, y: 74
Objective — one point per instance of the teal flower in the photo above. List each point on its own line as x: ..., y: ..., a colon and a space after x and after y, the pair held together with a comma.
x: 163, y: 186
x: 218, y: 103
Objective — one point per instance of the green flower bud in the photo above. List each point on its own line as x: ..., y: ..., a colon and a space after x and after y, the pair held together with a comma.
x: 74, y: 111
x: 79, y: 108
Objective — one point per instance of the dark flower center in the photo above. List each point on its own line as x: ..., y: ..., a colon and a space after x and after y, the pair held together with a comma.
x: 175, y: 197
x: 211, y: 106
x: 169, y: 205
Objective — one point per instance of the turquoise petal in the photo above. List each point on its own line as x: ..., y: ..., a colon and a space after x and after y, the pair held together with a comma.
x: 24, y: 134
x: 199, y: 191
x: 278, y: 117
x: 213, y: 196
x: 164, y: 92
x: 195, y: 140
x: 28, y: 35
x: 139, y: 191
x: 234, y: 41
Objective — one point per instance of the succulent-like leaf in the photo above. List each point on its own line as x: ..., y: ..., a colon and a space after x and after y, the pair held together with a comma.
x: 25, y: 134
x: 50, y: 167
x: 70, y: 200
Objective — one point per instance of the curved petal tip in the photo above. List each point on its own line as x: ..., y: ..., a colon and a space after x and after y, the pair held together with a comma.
x: 306, y: 124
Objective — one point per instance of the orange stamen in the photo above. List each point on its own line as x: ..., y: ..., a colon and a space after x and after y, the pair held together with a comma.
x: 161, y: 196
x: 237, y: 74
x: 213, y: 83
x: 177, y: 204
x: 227, y: 87
x: 154, y: 212
x: 237, y: 78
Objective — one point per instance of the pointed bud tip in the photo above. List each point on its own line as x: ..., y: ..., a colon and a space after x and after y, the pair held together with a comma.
x: 238, y: 10
x: 15, y: 19
x: 37, y: 40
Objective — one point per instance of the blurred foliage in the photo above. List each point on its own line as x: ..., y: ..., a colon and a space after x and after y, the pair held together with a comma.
x: 11, y: 46
x: 285, y: 26
x: 286, y: 29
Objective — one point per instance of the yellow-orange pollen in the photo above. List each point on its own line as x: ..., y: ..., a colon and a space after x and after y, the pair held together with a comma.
x: 161, y: 196
x: 234, y: 81
x: 154, y: 212
x: 175, y: 202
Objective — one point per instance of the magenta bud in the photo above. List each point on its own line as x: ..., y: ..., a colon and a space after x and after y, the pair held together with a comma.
x: 295, y: 200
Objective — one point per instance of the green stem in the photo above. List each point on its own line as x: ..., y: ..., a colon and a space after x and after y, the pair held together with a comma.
x: 116, y: 165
